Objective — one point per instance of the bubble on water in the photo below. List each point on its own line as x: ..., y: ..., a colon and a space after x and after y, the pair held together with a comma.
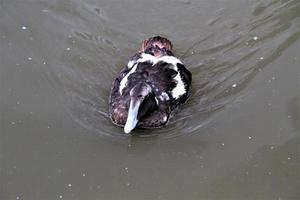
x: 29, y: 58
x: 270, y: 173
x: 24, y: 27
x: 69, y: 185
x: 234, y: 85
x: 68, y: 49
x: 255, y: 38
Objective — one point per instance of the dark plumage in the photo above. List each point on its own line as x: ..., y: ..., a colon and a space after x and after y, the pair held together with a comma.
x: 150, y: 87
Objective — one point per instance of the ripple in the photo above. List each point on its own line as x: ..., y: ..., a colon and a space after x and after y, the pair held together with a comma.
x: 229, y: 54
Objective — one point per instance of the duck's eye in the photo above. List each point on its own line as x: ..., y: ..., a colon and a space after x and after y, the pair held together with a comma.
x: 140, y: 96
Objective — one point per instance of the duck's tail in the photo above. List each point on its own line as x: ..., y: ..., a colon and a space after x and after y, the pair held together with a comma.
x: 158, y: 41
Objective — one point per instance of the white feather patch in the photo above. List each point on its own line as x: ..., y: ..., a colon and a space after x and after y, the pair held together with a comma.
x: 125, y: 79
x: 179, y: 88
x: 157, y: 103
x: 164, y: 96
x: 131, y: 63
x: 170, y: 59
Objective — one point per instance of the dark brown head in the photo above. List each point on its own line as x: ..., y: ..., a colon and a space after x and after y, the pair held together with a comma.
x: 159, y: 46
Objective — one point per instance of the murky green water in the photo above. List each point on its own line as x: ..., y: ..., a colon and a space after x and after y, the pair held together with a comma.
x: 238, y: 137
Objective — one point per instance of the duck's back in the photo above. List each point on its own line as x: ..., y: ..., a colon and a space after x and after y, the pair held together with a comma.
x: 170, y: 83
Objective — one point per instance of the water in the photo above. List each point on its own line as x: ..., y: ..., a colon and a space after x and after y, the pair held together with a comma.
x: 236, y: 138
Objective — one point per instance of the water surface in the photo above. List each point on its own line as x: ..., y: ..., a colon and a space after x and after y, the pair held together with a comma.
x: 236, y: 138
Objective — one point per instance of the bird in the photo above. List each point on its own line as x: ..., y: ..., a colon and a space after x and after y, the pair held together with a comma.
x: 152, y: 85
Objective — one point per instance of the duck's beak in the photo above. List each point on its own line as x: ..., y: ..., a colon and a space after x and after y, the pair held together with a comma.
x: 132, y: 115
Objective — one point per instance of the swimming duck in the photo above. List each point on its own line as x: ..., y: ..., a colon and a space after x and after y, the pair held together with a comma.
x: 150, y: 87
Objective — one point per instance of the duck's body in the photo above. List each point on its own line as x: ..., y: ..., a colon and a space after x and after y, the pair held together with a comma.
x: 150, y: 87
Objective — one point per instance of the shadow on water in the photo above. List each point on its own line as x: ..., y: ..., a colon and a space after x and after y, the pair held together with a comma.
x: 223, y: 61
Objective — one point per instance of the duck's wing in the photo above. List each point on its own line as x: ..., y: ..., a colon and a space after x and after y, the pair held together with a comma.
x: 155, y: 119
x: 118, y: 106
x: 185, y: 77
x: 119, y: 97
x: 119, y: 102
x: 172, y: 80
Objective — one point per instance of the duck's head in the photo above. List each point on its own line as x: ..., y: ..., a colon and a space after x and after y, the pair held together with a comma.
x: 158, y: 46
x: 141, y: 102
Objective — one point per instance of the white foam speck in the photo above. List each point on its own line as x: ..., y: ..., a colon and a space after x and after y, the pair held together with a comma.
x: 24, y: 27
x: 234, y: 85
x: 250, y: 137
x: 255, y: 38
x: 60, y: 196
x: 261, y: 58
x: 68, y: 49
x: 69, y: 185
x: 126, y: 169
x: 29, y: 58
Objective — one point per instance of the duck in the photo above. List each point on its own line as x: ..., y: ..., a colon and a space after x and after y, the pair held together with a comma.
x: 150, y: 87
